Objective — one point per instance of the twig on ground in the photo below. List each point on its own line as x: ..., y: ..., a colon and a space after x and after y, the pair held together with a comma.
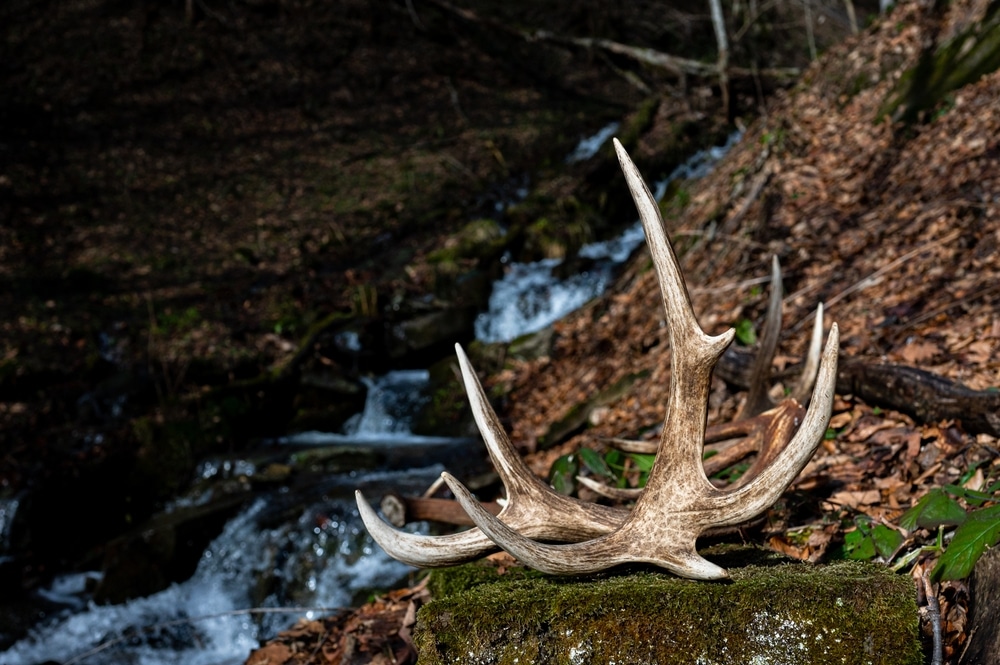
x: 415, y: 17
x: 934, y: 616
x: 760, y: 181
x: 453, y: 92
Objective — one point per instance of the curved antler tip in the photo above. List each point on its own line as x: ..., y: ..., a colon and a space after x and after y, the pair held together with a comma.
x: 623, y: 156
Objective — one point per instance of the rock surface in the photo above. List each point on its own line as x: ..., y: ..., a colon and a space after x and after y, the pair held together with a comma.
x: 773, y: 611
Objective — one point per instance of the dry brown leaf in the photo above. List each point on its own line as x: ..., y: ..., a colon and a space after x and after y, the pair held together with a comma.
x: 918, y: 352
x: 270, y: 654
x: 856, y: 499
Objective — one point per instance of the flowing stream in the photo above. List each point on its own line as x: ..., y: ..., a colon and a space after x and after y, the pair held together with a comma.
x: 308, y: 552
x: 290, y: 552
x: 529, y: 297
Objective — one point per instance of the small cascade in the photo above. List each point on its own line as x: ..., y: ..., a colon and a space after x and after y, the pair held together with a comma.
x: 323, y: 559
x: 392, y: 401
x: 310, y: 550
x: 8, y: 508
x: 588, y: 147
x: 529, y: 297
x: 300, y: 546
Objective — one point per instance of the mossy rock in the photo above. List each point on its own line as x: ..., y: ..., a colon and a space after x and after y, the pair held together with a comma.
x: 963, y: 59
x: 531, y: 346
x: 447, y: 411
x: 772, y: 611
x: 555, y: 238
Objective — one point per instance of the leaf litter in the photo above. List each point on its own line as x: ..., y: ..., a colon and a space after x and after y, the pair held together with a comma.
x: 896, y: 230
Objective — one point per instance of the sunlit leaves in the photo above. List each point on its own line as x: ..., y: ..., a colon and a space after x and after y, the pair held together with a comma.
x: 745, y: 333
x: 868, y: 540
x: 935, y: 509
x: 597, y: 464
x: 977, y: 529
x: 981, y: 529
x: 562, y: 475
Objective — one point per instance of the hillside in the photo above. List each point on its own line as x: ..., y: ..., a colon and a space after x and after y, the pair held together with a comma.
x: 893, y: 223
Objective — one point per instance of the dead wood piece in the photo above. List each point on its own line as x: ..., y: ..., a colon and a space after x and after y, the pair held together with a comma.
x: 401, y: 510
x: 983, y: 647
x: 674, y: 64
x: 925, y: 396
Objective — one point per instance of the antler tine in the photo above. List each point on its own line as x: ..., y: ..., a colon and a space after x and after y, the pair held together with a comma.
x: 531, y: 503
x: 693, y: 353
x: 423, y: 551
x: 758, y: 400
x: 733, y: 507
x: 810, y: 367
x: 532, y: 507
x: 617, y: 493
x: 679, y: 503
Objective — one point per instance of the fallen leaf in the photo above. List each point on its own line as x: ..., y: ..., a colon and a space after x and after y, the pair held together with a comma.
x: 270, y: 654
x: 857, y: 498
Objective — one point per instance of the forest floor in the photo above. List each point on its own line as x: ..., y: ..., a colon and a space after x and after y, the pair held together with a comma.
x: 895, y: 227
x: 185, y: 197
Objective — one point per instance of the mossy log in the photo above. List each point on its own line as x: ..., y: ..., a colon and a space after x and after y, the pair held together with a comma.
x: 964, y: 59
x: 772, y: 611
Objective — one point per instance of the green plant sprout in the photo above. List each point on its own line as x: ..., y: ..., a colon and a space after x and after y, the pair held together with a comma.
x: 745, y: 332
x: 976, y: 528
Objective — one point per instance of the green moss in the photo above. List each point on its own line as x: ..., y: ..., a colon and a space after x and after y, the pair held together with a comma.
x: 637, y: 123
x: 962, y: 60
x: 445, y: 582
x: 166, y: 454
x: 447, y: 412
x: 531, y: 345
x: 481, y: 239
x: 772, y: 611
x: 336, y: 459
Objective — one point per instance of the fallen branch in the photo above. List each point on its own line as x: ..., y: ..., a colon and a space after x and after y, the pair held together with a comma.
x: 400, y: 510
x: 925, y: 396
x: 672, y: 63
x: 676, y: 65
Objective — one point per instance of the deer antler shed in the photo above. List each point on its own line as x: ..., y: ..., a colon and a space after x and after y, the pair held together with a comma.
x: 678, y: 502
